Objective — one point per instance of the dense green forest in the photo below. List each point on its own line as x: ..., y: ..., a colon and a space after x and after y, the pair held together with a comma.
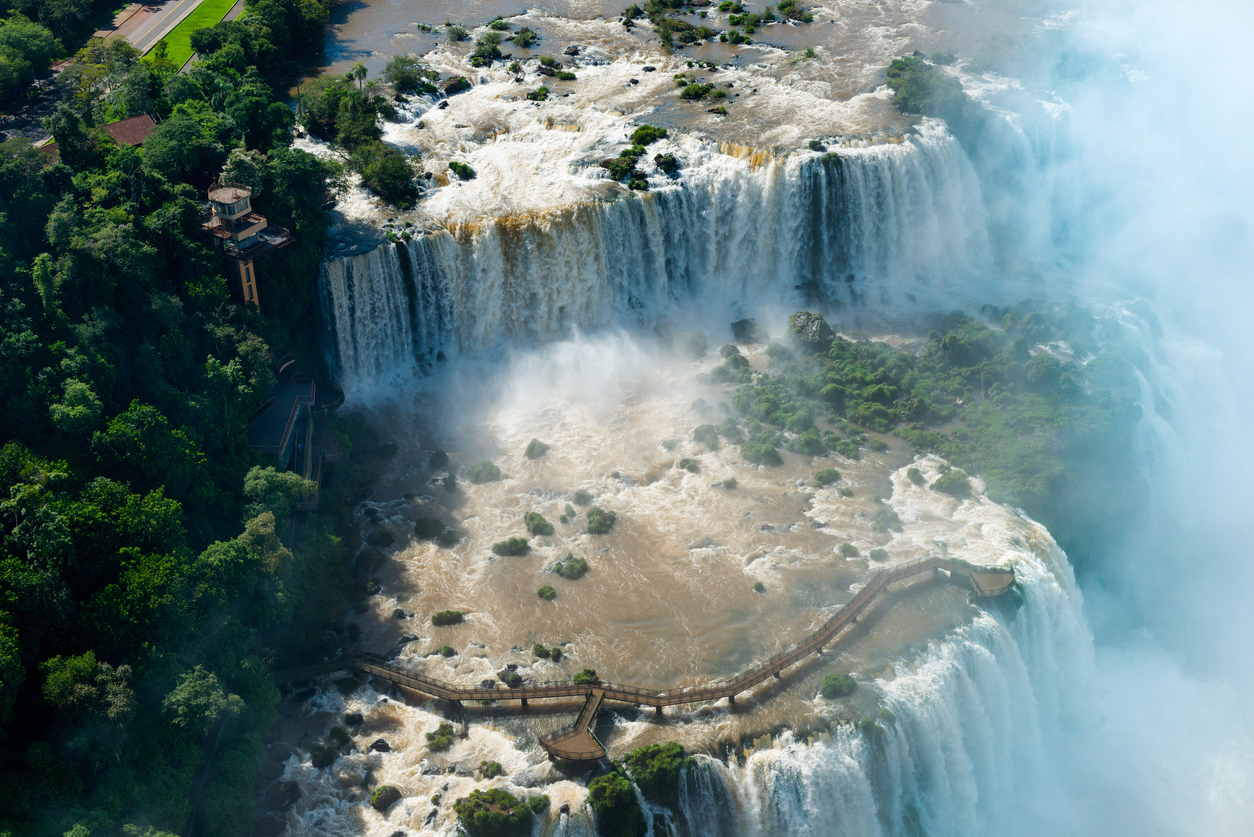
x: 143, y: 581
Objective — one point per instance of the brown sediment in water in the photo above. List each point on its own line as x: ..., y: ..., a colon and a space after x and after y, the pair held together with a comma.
x: 578, y: 743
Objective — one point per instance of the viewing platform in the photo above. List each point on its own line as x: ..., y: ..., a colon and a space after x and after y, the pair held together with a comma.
x: 578, y: 741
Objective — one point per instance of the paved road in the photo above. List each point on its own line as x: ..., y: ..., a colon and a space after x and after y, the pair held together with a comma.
x: 151, y: 23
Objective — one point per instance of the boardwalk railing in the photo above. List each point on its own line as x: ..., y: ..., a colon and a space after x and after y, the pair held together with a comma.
x: 577, y: 741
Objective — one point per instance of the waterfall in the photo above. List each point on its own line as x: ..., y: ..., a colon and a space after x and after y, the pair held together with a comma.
x: 882, y: 227
x: 964, y: 747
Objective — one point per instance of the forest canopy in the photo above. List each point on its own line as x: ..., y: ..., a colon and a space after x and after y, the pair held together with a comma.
x: 145, y: 576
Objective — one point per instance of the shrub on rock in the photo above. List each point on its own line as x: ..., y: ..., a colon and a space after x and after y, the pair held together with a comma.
x: 953, y: 483
x: 655, y: 769
x: 614, y: 801
x: 384, y: 797
x: 536, y: 524
x: 837, y: 685
x: 483, y: 472
x: 587, y: 677
x: 494, y: 813
x: 535, y: 449
x: 827, y: 476
x: 760, y: 454
x: 447, y: 617
x: 513, y: 546
x: 572, y: 567
x: 547, y: 593
x: 707, y: 435
x: 581, y: 498
x: 441, y: 739
x: 600, y: 521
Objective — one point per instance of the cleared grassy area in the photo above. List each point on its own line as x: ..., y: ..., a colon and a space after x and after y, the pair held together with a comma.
x: 179, y: 41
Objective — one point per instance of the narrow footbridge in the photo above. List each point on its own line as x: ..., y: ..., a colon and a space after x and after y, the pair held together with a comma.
x: 577, y: 742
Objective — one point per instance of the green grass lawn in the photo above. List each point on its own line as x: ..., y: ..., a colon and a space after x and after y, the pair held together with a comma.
x: 179, y: 41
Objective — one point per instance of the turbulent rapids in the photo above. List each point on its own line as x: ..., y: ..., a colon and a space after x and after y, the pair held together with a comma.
x: 888, y: 227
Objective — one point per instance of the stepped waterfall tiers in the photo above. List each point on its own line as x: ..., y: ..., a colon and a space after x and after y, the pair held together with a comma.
x: 884, y: 227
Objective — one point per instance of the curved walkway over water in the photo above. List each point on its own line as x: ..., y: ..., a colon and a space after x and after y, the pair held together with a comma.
x: 577, y: 742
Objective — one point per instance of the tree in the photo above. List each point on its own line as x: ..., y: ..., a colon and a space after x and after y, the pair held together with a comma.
x: 385, y: 170
x: 12, y: 672
x: 277, y: 492
x: 190, y: 145
x: 614, y: 801
x: 140, y: 446
x: 77, y: 147
x: 199, y: 701
x: 26, y: 49
x: 78, y: 413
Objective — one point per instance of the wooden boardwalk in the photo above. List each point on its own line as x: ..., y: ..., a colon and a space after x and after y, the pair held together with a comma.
x: 577, y: 742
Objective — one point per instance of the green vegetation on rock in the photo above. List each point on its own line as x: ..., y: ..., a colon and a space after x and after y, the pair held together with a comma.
x: 614, y: 801
x: 921, y: 88
x: 600, y: 521
x: 463, y: 172
x: 441, y: 739
x: 655, y: 770
x: 953, y: 482
x: 494, y: 813
x: 707, y: 435
x: 535, y: 449
x: 886, y: 520
x: 384, y: 797
x: 761, y: 454
x: 827, y: 476
x: 1054, y: 438
x: 572, y: 567
x: 581, y: 498
x: 536, y: 525
x: 447, y: 617
x: 513, y: 546
x: 587, y: 677
x: 647, y: 135
x: 547, y: 593
x: 483, y: 472
x: 837, y: 685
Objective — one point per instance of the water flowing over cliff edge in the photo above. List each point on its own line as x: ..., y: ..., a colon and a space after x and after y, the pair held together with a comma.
x: 890, y: 227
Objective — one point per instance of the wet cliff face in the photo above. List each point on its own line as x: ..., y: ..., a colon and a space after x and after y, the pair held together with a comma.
x: 886, y: 229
